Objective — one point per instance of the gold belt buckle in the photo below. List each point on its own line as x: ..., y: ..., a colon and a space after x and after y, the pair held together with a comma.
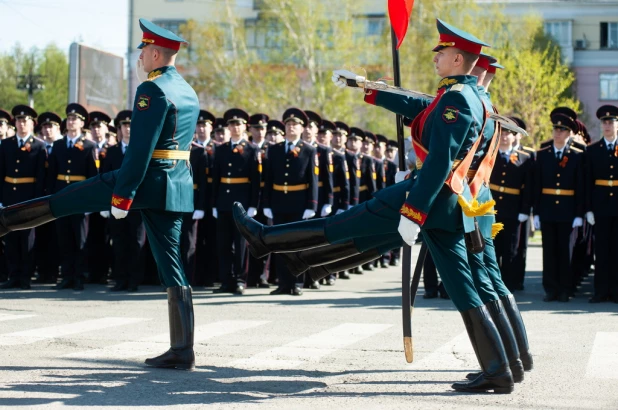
x: 610, y: 183
x: 14, y: 180
x: 558, y: 191
x: 501, y: 189
x: 285, y: 189
x: 67, y: 178
x: 229, y: 180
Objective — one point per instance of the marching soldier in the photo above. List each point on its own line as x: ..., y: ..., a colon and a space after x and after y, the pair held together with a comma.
x: 559, y: 205
x: 602, y: 205
x: 258, y: 128
x: 73, y: 159
x: 236, y: 178
x: 22, y: 177
x: 511, y: 185
x: 98, y: 247
x: 45, y: 241
x: 206, y: 253
x: 128, y: 234
x: 291, y: 190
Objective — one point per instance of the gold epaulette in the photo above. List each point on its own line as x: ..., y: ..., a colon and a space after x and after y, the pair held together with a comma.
x: 527, y: 148
x: 576, y: 149
x: 522, y: 152
x: 544, y: 148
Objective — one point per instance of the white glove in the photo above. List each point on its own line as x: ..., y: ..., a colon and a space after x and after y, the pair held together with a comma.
x: 268, y: 213
x: 400, y: 176
x: 104, y: 214
x: 308, y: 214
x: 198, y: 214
x: 251, y: 212
x: 339, y: 211
x: 214, y: 213
x: 537, y: 222
x: 589, y: 217
x: 340, y: 76
x: 408, y: 230
x: 350, y: 207
x: 118, y: 213
x: 577, y: 222
x: 326, y: 210
x: 522, y: 217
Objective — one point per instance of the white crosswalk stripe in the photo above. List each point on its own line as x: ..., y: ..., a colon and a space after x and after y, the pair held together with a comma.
x: 6, y: 317
x: 456, y: 354
x: 311, y: 348
x: 156, y: 344
x: 52, y: 332
x: 603, y: 362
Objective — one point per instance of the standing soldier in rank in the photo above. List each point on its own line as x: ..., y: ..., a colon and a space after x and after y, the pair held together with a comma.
x: 558, y: 205
x: 97, y: 243
x: 391, y: 169
x: 339, y: 144
x: 236, y: 178
x: 22, y: 177
x: 258, y: 127
x: 291, y: 190
x: 511, y: 186
x: 73, y: 159
x: 362, y: 142
x: 206, y: 259
x: 129, y: 233
x: 45, y: 236
x: 602, y: 205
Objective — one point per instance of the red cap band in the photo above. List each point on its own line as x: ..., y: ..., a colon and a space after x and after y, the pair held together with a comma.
x: 461, y: 44
x: 491, y: 69
x: 151, y: 38
x: 483, y: 62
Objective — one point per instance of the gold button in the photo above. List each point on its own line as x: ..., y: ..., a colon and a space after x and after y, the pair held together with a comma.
x: 285, y: 183
x: 502, y: 182
x: 611, y: 167
x: 502, y: 188
x: 557, y: 202
x: 558, y: 192
x: 504, y: 173
x: 610, y: 194
x: 14, y: 188
x: 228, y: 191
x: 287, y: 166
x: 286, y: 174
x: 611, y: 176
x: 68, y: 171
x: 18, y: 161
x: 69, y: 161
x: 499, y: 197
x: 16, y: 170
x: 229, y: 173
x: 558, y: 175
x: 230, y: 164
x: 557, y: 183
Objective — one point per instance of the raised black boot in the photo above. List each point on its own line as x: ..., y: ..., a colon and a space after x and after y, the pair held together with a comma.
x: 25, y: 215
x: 519, y: 329
x: 180, y: 355
x: 501, y: 321
x: 299, y: 262
x: 490, y: 352
x: 322, y: 271
x: 290, y: 237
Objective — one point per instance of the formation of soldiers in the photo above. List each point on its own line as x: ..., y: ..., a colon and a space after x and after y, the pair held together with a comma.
x: 299, y: 168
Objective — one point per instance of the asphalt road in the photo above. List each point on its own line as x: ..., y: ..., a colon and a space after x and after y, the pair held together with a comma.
x: 339, y: 347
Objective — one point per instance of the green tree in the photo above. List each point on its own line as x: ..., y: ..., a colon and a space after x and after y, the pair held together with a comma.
x: 50, y: 63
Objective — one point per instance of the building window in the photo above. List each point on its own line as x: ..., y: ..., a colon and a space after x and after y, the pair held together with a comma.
x: 609, y: 35
x: 609, y: 86
x: 560, y: 31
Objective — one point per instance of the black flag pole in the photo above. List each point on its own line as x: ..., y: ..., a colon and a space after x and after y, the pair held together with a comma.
x: 409, y: 284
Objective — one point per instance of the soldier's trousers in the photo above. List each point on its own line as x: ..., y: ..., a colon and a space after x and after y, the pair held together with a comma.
x: 374, y: 218
x: 557, y: 273
x: 287, y: 281
x: 72, y: 232
x: 46, y: 252
x: 98, y: 249
x: 162, y: 227
x: 20, y: 255
x: 232, y: 264
x: 257, y: 266
x: 129, y: 240
x: 606, y: 252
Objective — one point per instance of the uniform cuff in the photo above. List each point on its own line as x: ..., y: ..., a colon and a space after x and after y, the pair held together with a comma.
x: 371, y: 96
x: 121, y: 203
x: 413, y: 214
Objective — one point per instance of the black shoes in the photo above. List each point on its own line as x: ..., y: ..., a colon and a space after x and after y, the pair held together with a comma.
x: 25, y: 215
x: 10, y: 284
x: 430, y: 294
x: 496, y: 375
x: 344, y: 275
x: 299, y: 262
x: 297, y: 291
x: 550, y: 297
x: 64, y: 284
x: 519, y: 330
x: 78, y: 285
x: 564, y: 297
x: 180, y: 355
x: 119, y: 286
x: 240, y: 289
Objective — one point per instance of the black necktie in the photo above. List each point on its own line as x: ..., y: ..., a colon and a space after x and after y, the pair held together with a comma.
x: 70, y: 144
x: 559, y: 155
x: 21, y: 143
x: 505, y: 156
x: 289, y: 146
x: 610, y: 147
x: 49, y: 149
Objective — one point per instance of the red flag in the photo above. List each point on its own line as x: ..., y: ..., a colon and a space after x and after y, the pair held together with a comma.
x: 399, y: 12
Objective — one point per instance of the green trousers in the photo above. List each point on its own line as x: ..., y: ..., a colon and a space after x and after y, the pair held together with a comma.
x: 162, y: 227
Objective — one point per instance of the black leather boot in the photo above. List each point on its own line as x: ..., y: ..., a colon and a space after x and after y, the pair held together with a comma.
x: 490, y: 352
x: 290, y: 237
x: 322, y: 271
x: 300, y: 262
x: 501, y: 321
x: 519, y: 329
x: 25, y: 215
x: 180, y: 308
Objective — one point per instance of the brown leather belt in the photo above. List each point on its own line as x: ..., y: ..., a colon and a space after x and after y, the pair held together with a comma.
x: 70, y: 178
x: 290, y: 188
x: 337, y: 189
x: 605, y: 182
x: 19, y: 180
x: 170, y: 154
x: 320, y: 184
x: 194, y: 186
x: 235, y: 180
x: 560, y: 192
x: 209, y: 180
x: 506, y: 190
x: 262, y: 184
x: 362, y: 188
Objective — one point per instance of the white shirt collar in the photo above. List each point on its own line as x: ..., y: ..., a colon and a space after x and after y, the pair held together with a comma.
x: 294, y: 143
x: 607, y: 142
x: 73, y: 139
x: 24, y: 139
x: 556, y: 150
x: 124, y: 145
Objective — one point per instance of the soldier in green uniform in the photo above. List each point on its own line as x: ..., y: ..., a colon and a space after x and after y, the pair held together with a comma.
x: 444, y: 131
x: 154, y: 177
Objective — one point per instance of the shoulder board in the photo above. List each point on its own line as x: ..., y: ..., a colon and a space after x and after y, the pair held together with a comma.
x: 522, y: 152
x: 530, y: 149
x: 576, y: 149
x: 544, y: 148
x: 544, y: 143
x: 457, y: 87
